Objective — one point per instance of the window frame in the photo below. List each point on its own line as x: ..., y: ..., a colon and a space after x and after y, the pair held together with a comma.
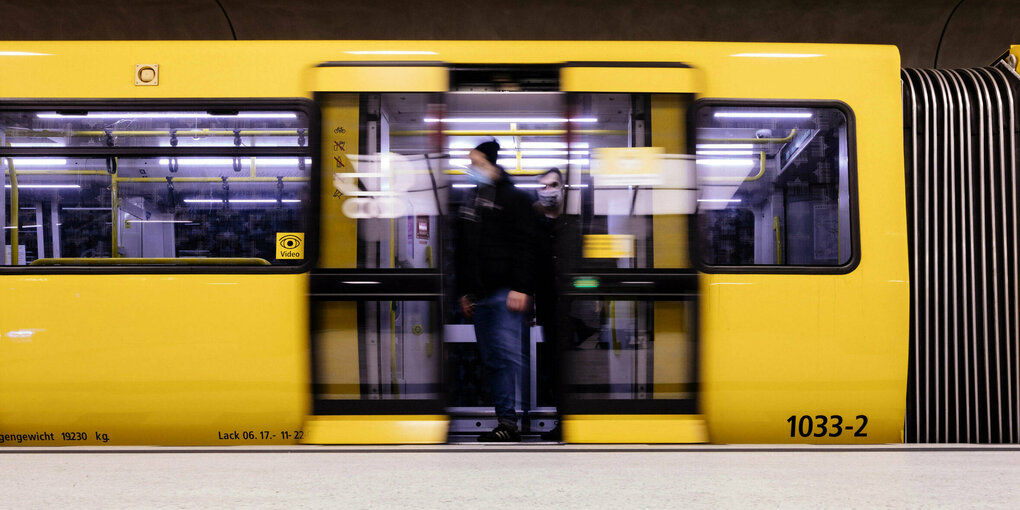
x: 851, y: 137
x: 313, y: 150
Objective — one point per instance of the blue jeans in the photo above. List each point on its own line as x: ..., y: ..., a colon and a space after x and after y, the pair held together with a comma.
x: 498, y: 332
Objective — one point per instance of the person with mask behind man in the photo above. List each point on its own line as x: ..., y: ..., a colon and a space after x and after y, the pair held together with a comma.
x: 558, y: 234
x: 495, y: 257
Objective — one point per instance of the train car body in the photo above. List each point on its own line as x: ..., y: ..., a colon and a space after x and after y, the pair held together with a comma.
x: 230, y: 337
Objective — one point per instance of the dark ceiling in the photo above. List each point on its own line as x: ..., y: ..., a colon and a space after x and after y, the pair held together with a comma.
x: 977, y: 32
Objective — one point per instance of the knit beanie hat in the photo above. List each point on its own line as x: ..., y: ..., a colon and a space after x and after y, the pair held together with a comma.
x: 490, y: 149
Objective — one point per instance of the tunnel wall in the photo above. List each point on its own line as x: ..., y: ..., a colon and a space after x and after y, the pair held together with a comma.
x: 980, y: 30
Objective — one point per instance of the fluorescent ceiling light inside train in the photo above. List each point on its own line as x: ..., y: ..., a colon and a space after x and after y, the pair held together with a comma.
x: 778, y: 55
x: 531, y: 145
x: 168, y: 115
x: 240, y: 201
x: 725, y: 146
x: 507, y: 120
x: 390, y: 52
x: 526, y: 161
x: 527, y: 152
x: 46, y: 186
x: 160, y: 221
x: 46, y: 142
x: 720, y: 200
x: 39, y: 162
x: 762, y: 115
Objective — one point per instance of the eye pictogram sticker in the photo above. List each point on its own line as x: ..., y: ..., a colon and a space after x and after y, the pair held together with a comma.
x: 290, y: 245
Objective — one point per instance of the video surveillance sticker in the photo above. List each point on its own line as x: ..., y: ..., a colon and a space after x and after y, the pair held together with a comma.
x: 290, y: 245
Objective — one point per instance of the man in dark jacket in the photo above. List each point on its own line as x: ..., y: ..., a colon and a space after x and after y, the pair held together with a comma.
x: 494, y: 263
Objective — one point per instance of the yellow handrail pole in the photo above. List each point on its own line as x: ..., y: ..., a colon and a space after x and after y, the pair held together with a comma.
x: 154, y: 261
x: 779, y: 245
x: 761, y: 172
x: 750, y: 140
x: 393, y: 314
x: 114, y: 251
x: 517, y: 142
x: 14, y: 211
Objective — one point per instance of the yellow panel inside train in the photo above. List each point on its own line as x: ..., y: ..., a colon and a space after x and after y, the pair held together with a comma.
x: 240, y: 243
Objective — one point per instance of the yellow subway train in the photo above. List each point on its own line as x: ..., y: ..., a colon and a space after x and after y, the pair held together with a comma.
x: 249, y: 243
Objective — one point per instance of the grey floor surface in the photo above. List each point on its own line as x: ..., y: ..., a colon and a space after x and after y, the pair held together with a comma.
x: 509, y: 477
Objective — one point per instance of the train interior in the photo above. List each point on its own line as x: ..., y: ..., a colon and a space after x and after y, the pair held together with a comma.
x: 76, y: 207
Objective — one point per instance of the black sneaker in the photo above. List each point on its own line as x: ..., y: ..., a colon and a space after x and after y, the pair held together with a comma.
x: 503, y: 433
x: 556, y: 434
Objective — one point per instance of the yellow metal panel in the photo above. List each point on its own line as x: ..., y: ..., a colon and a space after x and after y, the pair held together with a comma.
x: 153, y: 359
x: 780, y: 346
x: 336, y: 354
x: 669, y: 132
x: 635, y: 428
x: 337, y: 232
x: 630, y: 79
x: 337, y: 328
x: 380, y: 79
x: 286, y: 68
x: 399, y: 429
x: 772, y: 346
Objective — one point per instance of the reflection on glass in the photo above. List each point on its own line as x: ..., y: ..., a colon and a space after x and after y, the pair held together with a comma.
x: 51, y: 129
x: 159, y: 207
x: 632, y: 350
x: 773, y: 186
x: 634, y: 192
x: 397, y: 353
x: 165, y: 207
x: 394, y: 187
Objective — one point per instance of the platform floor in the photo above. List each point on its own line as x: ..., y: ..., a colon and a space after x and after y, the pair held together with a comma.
x: 514, y: 476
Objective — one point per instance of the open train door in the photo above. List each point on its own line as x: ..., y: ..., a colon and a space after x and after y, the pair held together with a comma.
x: 376, y: 347
x: 628, y: 307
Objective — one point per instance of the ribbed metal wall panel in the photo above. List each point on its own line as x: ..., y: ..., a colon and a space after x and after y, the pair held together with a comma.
x: 961, y: 178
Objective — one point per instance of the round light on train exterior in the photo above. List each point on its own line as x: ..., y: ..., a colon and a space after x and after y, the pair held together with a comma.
x: 147, y: 74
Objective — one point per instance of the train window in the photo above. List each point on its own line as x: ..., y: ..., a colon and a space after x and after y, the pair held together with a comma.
x: 388, y: 172
x: 382, y: 206
x: 630, y: 193
x: 775, y: 186
x: 83, y: 126
x: 140, y: 187
x: 618, y: 350
x: 630, y: 188
x: 397, y: 356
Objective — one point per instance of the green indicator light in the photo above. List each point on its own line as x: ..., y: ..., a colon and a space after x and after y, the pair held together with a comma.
x: 586, y: 283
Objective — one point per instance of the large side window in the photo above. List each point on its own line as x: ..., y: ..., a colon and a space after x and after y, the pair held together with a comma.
x: 775, y: 186
x: 169, y: 186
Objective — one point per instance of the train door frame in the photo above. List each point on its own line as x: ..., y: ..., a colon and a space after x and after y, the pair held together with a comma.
x: 334, y: 279
x: 646, y: 420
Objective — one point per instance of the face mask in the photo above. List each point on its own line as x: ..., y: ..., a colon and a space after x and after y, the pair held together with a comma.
x: 478, y: 175
x: 549, y: 198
